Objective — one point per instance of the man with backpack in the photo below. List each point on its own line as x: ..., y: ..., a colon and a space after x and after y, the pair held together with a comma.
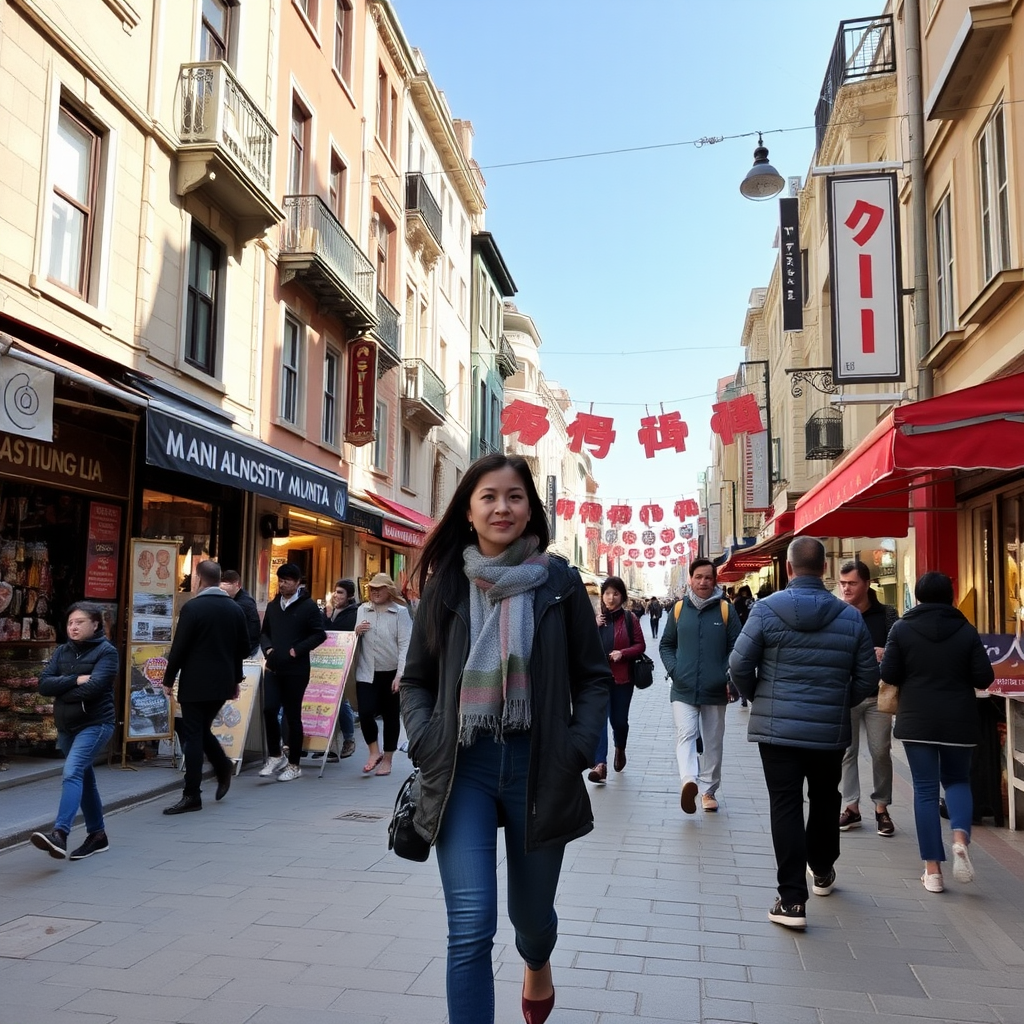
x: 695, y: 648
x: 654, y: 611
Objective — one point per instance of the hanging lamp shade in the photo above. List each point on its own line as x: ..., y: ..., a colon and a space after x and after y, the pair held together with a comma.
x: 762, y: 180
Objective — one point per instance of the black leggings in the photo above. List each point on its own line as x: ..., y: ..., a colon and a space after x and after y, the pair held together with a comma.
x: 376, y: 699
x: 284, y: 692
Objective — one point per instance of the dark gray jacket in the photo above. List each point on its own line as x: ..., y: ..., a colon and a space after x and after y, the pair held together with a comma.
x: 804, y: 658
x: 569, y: 684
x: 695, y: 649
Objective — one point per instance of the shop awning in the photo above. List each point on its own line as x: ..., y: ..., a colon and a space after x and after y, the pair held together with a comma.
x: 394, y: 526
x: 756, y: 556
x: 868, y: 493
x: 410, y: 514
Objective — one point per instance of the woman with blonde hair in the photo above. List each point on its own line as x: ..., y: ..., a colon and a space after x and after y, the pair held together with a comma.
x: 504, y: 693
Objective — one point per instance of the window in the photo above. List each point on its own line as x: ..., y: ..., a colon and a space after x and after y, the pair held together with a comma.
x: 337, y: 187
x: 204, y: 261
x: 384, y: 232
x: 343, y: 39
x: 380, y: 443
x: 994, y: 195
x: 463, y: 297
x: 329, y: 430
x: 406, y: 475
x: 75, y: 164
x: 297, y: 149
x: 213, y: 33
x: 462, y: 393
x: 387, y: 111
x: 944, y: 266
x: 463, y: 230
x: 291, y: 370
x: 310, y: 8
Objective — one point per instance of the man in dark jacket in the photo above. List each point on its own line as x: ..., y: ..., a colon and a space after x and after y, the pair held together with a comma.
x: 292, y: 626
x: 340, y: 616
x: 803, y: 658
x: 231, y: 584
x: 855, y: 589
x: 695, y: 647
x: 210, y: 642
x: 654, y: 611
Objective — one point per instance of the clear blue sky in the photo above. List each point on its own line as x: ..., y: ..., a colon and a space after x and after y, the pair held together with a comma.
x: 635, y: 266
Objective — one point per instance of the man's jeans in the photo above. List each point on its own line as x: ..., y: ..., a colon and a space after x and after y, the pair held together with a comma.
x: 78, y: 784
x: 490, y: 783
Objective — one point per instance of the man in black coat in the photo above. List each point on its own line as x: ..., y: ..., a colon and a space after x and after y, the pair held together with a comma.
x: 210, y: 642
x: 231, y: 584
x: 292, y: 626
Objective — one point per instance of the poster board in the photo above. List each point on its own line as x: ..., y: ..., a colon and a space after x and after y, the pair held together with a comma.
x: 148, y: 714
x: 329, y: 668
x: 232, y: 723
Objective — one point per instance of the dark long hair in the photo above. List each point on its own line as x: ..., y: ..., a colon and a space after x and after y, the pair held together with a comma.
x: 441, y: 557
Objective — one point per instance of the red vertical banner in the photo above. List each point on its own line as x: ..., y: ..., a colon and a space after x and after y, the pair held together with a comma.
x: 361, y: 392
x: 102, y: 551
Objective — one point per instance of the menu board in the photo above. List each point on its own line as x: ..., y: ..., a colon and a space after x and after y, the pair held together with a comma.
x: 231, y: 723
x: 153, y: 567
x: 330, y: 664
x: 148, y: 715
x: 101, y: 553
x: 1006, y: 652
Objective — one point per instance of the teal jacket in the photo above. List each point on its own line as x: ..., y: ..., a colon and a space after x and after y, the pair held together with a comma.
x: 695, y: 649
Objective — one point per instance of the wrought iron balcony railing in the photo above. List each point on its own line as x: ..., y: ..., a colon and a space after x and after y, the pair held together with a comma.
x: 863, y: 48
x: 419, y: 199
x: 388, y: 329
x: 424, y: 389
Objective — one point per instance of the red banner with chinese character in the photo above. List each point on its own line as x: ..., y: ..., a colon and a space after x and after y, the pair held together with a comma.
x: 361, y: 392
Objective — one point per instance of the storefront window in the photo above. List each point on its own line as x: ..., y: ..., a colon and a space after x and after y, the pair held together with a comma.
x: 984, y: 570
x: 189, y: 523
x: 1011, y: 516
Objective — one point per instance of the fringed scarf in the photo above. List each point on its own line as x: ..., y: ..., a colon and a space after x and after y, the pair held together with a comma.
x: 496, y: 680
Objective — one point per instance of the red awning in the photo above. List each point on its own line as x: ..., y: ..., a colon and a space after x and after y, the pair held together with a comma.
x: 424, y: 522
x: 868, y: 493
x: 757, y: 556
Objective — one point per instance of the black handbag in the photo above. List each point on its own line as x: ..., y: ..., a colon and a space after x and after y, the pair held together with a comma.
x: 641, y: 672
x: 402, y: 835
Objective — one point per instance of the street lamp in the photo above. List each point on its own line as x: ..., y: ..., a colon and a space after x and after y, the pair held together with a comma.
x: 762, y: 180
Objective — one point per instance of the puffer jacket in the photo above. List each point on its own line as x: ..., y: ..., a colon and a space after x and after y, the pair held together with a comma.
x: 936, y: 658
x: 695, y: 649
x: 76, y: 707
x: 804, y: 658
x: 569, y: 685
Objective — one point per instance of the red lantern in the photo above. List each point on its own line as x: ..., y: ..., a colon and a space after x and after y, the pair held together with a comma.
x: 651, y: 564
x: 628, y: 536
x: 634, y: 552
x: 667, y: 536
x: 648, y: 552
x: 618, y: 551
x: 666, y: 550
x: 679, y: 549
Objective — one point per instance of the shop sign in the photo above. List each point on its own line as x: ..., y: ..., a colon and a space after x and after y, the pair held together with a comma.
x: 361, y: 393
x: 550, y: 501
x: 364, y: 520
x: 789, y: 265
x: 866, y: 281
x: 77, y: 459
x: 26, y: 399
x: 232, y: 461
x: 1006, y: 652
x: 102, y: 550
x: 755, y: 472
x: 401, y: 534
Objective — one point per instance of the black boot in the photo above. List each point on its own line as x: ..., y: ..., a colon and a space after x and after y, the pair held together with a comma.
x: 186, y: 803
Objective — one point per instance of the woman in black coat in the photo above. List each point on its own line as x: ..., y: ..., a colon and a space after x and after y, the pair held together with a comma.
x: 936, y: 658
x: 504, y: 692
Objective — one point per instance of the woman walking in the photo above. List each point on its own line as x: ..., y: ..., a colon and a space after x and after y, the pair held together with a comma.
x: 504, y: 692
x: 623, y: 640
x: 80, y: 677
x: 383, y: 626
x: 937, y: 660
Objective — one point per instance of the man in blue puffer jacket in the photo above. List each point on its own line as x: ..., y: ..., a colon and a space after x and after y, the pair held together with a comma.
x: 804, y: 658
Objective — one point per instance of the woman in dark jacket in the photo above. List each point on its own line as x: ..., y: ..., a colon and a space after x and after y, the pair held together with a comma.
x: 80, y: 677
x: 504, y: 691
x: 937, y: 660
x: 623, y: 640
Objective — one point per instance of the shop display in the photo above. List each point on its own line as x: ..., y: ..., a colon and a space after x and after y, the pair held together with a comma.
x: 26, y: 717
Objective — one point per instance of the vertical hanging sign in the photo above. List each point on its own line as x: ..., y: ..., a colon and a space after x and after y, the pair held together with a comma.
x: 551, y: 500
x: 755, y: 472
x: 790, y: 265
x: 866, y: 282
x: 361, y: 392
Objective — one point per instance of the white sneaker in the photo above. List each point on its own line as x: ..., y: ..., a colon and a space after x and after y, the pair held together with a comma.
x: 293, y: 771
x: 963, y: 869
x: 273, y: 766
x: 933, y: 883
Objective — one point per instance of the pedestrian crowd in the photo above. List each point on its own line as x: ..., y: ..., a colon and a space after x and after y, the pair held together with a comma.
x: 507, y: 680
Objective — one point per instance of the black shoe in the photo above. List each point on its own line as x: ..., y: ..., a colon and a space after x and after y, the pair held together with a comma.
x: 792, y: 916
x: 186, y: 803
x: 223, y: 784
x: 95, y: 842
x: 821, y: 885
x: 55, y: 843
x: 849, y: 819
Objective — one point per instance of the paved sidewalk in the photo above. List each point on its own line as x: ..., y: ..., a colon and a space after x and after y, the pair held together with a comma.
x: 281, y: 905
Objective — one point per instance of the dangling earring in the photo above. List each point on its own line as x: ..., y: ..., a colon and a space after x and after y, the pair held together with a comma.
x: 471, y: 530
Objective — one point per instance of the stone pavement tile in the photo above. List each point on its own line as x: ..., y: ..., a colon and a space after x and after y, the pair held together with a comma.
x: 694, y: 968
x: 129, y: 1006
x: 128, y: 952
x: 852, y: 976
x: 946, y: 984
x: 830, y: 1015
x: 392, y: 981
x: 619, y: 962
x: 190, y: 985
x: 67, y: 952
x: 232, y: 963
x: 694, y: 935
x: 734, y: 1011
x: 655, y: 999
x: 432, y: 981
x: 1011, y: 1013
x: 781, y: 1012
x: 798, y: 992
x: 662, y: 950
x: 362, y: 1004
x: 278, y: 1015
x: 269, y: 992
x: 38, y: 1015
x: 942, y: 1009
x: 233, y: 1012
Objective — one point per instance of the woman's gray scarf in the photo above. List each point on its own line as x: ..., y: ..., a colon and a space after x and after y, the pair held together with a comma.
x: 496, y: 680
x: 700, y: 603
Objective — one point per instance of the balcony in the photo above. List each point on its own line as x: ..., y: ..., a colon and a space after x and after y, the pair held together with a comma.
x: 422, y: 219
x: 319, y: 252
x: 227, y: 147
x: 823, y: 435
x: 423, y: 396
x: 507, y: 363
x: 863, y: 49
x: 388, y: 333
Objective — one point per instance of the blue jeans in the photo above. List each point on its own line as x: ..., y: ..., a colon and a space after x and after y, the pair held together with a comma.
x: 620, y: 697
x: 347, y: 721
x: 490, y: 787
x: 78, y: 784
x: 930, y: 764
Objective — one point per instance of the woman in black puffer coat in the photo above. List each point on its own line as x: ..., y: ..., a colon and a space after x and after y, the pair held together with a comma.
x: 80, y: 677
x: 936, y: 658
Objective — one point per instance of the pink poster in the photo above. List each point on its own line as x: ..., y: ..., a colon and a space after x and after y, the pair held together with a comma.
x: 103, y: 548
